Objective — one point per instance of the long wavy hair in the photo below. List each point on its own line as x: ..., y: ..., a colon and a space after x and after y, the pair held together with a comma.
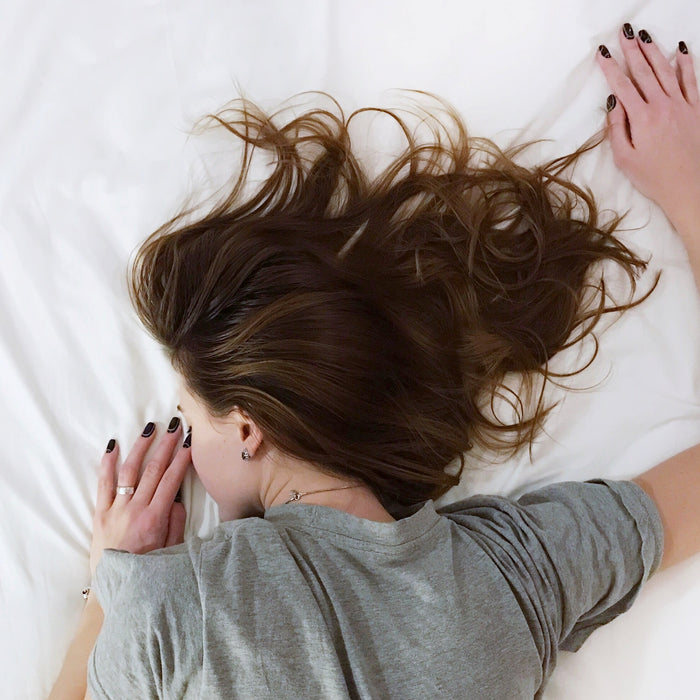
x: 366, y: 323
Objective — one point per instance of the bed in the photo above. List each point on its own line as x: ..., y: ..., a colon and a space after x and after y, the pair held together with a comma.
x: 97, y: 103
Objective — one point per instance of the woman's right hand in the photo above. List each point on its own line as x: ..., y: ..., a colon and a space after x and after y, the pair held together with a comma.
x: 655, y: 126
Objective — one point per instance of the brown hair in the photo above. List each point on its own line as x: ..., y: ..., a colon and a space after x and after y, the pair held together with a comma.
x: 366, y: 323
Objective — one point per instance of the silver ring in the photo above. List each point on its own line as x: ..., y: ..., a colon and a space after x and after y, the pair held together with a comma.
x: 125, y: 490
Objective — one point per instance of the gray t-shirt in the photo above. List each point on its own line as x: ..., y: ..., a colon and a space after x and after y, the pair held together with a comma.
x: 473, y: 600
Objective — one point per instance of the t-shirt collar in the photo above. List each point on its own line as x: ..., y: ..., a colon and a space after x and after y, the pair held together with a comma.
x: 414, y: 521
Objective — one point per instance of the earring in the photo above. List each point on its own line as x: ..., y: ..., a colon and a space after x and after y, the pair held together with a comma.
x: 245, y: 454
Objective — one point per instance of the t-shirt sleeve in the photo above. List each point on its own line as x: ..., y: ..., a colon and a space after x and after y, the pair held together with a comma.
x: 149, y: 645
x: 575, y: 554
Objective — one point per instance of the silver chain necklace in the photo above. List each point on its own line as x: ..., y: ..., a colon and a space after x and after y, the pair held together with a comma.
x: 295, y: 495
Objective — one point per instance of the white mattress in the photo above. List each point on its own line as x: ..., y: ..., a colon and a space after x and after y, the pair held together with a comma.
x: 96, y: 103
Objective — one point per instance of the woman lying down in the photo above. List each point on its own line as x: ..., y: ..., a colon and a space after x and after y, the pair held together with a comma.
x: 339, y: 339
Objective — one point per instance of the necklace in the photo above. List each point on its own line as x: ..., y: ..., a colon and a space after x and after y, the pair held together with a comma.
x: 295, y: 495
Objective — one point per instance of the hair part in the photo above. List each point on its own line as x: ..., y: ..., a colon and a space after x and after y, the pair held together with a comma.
x: 365, y: 322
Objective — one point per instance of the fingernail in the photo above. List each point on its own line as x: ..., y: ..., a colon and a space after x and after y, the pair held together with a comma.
x: 611, y: 103
x: 627, y: 30
x: 148, y: 430
x: 644, y: 36
x: 173, y: 424
x: 682, y: 47
x: 111, y: 444
x: 188, y: 440
x: 604, y: 50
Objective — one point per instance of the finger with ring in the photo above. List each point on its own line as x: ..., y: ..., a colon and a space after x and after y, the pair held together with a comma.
x: 128, y: 474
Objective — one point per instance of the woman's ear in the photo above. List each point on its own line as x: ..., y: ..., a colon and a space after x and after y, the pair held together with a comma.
x: 248, y: 430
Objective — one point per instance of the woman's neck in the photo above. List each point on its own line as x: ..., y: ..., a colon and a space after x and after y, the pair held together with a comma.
x: 359, y: 501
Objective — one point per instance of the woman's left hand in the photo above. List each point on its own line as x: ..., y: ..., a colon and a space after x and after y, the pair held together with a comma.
x: 655, y: 125
x: 150, y: 518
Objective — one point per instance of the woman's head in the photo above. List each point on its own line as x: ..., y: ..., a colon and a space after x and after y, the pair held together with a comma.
x: 363, y: 324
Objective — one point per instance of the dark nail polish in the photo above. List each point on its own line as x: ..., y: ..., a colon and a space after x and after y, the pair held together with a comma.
x: 627, y: 30
x: 148, y: 430
x: 611, y: 103
x: 682, y: 47
x: 111, y: 444
x: 189, y: 430
x: 188, y: 440
x: 604, y: 50
x: 644, y: 36
x: 173, y: 424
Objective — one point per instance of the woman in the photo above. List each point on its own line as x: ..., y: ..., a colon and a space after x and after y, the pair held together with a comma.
x: 339, y: 341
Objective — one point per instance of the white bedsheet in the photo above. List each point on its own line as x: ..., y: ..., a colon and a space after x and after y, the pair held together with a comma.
x: 96, y: 103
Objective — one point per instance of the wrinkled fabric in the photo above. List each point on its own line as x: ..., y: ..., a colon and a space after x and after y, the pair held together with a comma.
x: 472, y: 600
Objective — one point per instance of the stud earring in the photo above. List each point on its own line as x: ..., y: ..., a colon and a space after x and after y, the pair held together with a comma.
x: 245, y: 454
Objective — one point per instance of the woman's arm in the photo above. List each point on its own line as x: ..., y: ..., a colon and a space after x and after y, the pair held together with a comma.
x: 72, y: 681
x: 141, y: 522
x: 674, y: 485
x: 686, y: 221
x: 655, y: 137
